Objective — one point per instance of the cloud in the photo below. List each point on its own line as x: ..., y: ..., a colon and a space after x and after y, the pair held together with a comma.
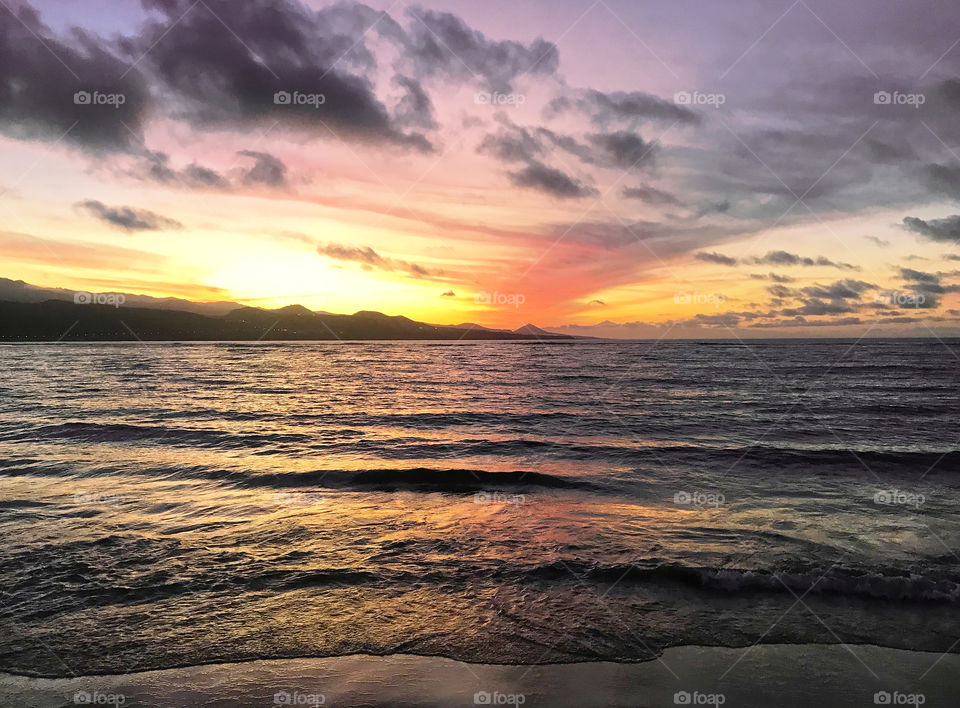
x: 650, y: 195
x: 267, y: 169
x: 784, y: 258
x: 947, y: 229
x: 546, y: 179
x: 840, y: 290
x: 943, y: 179
x: 629, y: 108
x: 442, y: 43
x: 76, y: 90
x: 371, y: 259
x: 879, y: 241
x: 623, y: 149
x: 601, y: 303
x: 449, y: 293
x: 213, y: 79
x: 717, y: 258
x: 415, y: 109
x: 128, y: 218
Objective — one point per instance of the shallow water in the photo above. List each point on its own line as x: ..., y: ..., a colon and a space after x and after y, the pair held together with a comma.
x: 504, y: 502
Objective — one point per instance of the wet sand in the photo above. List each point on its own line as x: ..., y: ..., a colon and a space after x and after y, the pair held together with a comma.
x: 779, y: 675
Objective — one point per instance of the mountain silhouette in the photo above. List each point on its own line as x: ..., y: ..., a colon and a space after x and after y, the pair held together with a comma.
x: 57, y: 320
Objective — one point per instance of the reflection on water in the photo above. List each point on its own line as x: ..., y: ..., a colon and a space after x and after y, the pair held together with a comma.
x: 506, y: 502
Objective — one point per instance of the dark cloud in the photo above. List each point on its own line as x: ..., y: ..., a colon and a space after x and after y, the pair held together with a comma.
x: 267, y: 169
x: 840, y: 290
x: 449, y: 293
x: 630, y: 108
x: 415, y: 109
x: 128, y: 218
x: 918, y: 276
x: 601, y: 303
x: 784, y: 258
x: 718, y: 258
x: 817, y: 307
x: 76, y: 90
x: 156, y: 167
x: 546, y: 179
x: 800, y: 321
x: 780, y: 291
x: 512, y: 144
x: 775, y: 277
x: 371, y: 259
x: 623, y: 149
x: 880, y: 242
x: 290, y: 66
x: 441, y: 43
x: 650, y: 195
x: 943, y: 179
x: 947, y: 229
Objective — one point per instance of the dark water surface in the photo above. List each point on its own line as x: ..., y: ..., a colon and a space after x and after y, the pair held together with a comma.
x: 504, y: 502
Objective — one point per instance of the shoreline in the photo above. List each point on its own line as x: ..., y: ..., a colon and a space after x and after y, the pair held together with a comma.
x: 786, y: 675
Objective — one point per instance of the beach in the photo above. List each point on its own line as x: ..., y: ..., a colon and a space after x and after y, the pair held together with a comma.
x: 803, y: 676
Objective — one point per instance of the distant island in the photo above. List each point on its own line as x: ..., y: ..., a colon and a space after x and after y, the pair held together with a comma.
x: 29, y: 314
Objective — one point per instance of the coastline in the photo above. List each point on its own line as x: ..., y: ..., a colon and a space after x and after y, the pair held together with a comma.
x: 793, y: 676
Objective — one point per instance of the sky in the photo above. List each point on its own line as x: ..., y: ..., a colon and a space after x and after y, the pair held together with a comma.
x: 613, y: 168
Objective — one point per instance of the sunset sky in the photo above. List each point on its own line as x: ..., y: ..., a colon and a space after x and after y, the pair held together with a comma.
x: 629, y: 169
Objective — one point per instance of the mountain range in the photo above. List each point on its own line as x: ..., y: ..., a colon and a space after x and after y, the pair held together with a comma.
x: 30, y: 313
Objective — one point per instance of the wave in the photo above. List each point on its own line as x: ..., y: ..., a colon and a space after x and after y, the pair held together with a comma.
x: 454, y: 480
x: 876, y: 583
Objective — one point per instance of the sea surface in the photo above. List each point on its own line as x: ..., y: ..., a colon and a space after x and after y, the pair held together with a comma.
x: 166, y: 505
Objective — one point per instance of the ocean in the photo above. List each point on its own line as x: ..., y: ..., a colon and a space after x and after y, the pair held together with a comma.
x: 168, y: 505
